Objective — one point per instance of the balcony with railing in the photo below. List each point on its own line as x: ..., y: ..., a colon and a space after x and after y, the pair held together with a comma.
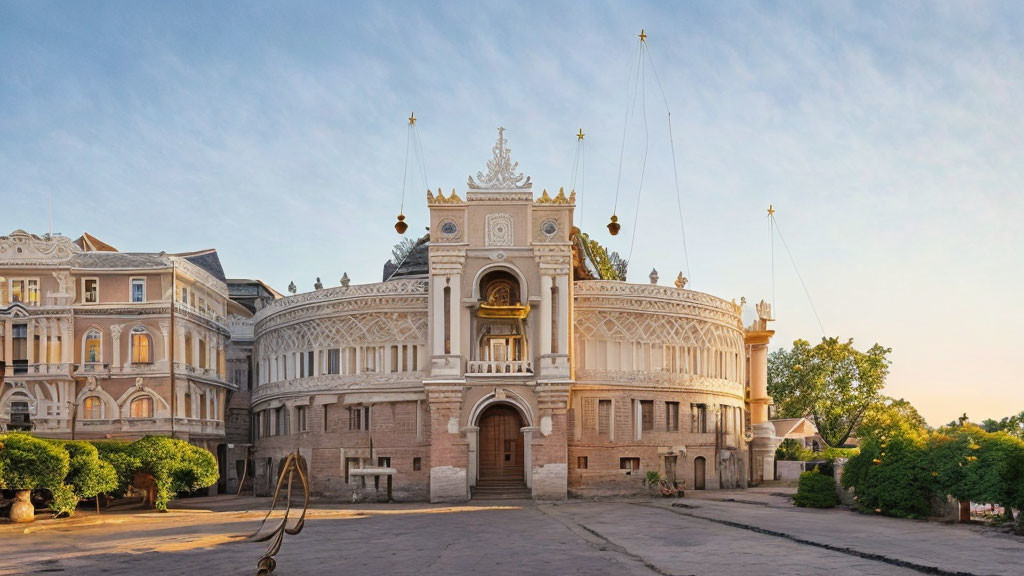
x: 500, y: 368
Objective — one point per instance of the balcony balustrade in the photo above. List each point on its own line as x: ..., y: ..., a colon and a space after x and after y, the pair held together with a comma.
x: 500, y: 368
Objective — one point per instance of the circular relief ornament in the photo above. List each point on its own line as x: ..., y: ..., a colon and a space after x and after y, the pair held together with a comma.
x: 549, y: 228
x: 449, y: 229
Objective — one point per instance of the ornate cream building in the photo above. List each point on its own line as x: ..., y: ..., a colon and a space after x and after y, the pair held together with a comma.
x: 491, y: 361
x: 88, y: 334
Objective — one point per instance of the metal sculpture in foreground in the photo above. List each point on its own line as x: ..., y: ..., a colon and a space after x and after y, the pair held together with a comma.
x: 293, y: 465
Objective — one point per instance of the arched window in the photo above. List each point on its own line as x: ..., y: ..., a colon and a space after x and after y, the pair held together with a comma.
x: 92, y: 408
x: 142, y: 345
x: 188, y: 405
x: 142, y: 407
x: 93, y: 351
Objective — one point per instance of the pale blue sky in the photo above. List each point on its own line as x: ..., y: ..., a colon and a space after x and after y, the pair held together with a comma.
x: 889, y: 137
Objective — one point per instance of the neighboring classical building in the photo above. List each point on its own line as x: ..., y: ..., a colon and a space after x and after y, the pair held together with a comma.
x: 87, y: 334
x: 494, y: 360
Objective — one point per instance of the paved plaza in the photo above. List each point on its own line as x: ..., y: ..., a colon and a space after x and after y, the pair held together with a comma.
x: 747, y: 532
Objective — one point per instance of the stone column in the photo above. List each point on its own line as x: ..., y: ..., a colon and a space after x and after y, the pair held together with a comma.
x: 31, y: 342
x: 456, y: 310
x: 449, y: 458
x: 165, y: 327
x: 563, y: 314
x: 438, y: 315
x: 115, y: 335
x: 70, y: 344
x: 545, y: 315
x: 44, y: 357
x: 548, y: 443
x: 179, y: 345
x: 8, y: 349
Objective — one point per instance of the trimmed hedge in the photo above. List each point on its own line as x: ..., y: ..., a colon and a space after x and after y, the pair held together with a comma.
x: 176, y: 465
x: 816, y: 490
x: 30, y: 463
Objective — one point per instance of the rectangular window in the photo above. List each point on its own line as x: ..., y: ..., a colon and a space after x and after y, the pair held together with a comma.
x: 309, y: 364
x: 33, y: 292
x: 19, y: 348
x: 581, y: 462
x: 672, y: 416
x: 334, y: 361
x: 647, y: 415
x: 355, y: 418
x: 631, y: 464
x: 138, y: 289
x: 417, y: 463
x: 604, y: 416
x: 17, y: 290
x: 366, y: 417
x: 325, y: 418
x: 300, y: 414
x: 140, y: 349
x: 700, y: 418
x: 184, y: 295
x: 90, y: 290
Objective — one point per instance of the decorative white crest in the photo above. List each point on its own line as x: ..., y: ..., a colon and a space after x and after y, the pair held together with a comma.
x: 499, y: 229
x: 501, y: 171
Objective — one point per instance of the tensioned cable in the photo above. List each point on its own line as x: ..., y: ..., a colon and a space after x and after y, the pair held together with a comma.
x: 419, y: 154
x: 625, y: 123
x: 675, y: 171
x: 806, y: 292
x: 643, y: 165
x: 771, y: 242
x: 405, y: 168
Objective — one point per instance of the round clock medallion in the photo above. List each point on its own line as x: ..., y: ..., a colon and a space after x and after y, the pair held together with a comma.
x: 549, y: 227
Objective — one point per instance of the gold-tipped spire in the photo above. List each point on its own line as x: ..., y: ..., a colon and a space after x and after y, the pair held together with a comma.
x: 580, y: 134
x: 771, y: 210
x: 642, y: 35
x: 412, y: 119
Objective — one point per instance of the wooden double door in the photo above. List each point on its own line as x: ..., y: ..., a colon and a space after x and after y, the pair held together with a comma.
x: 501, y: 444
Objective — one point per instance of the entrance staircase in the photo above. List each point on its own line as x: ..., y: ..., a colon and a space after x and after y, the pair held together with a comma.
x: 501, y: 489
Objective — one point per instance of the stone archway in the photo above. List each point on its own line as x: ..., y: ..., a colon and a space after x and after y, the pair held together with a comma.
x: 501, y: 445
x: 699, y: 473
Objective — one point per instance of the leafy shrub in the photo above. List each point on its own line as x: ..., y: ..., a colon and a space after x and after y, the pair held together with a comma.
x: 64, y: 500
x: 891, y: 476
x: 121, y: 457
x: 29, y: 463
x: 87, y: 473
x: 176, y: 465
x: 816, y: 490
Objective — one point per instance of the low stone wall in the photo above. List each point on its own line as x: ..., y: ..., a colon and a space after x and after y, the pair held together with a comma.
x: 788, y: 470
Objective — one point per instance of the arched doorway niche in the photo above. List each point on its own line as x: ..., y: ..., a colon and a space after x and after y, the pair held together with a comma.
x: 495, y: 411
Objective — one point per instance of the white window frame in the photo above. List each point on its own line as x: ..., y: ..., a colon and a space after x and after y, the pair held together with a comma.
x: 85, y: 340
x: 131, y: 289
x: 25, y: 299
x: 86, y: 279
x: 84, y: 415
x: 140, y: 330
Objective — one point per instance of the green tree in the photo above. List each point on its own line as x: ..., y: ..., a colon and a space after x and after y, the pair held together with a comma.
x: 176, y: 465
x: 832, y: 383
x: 29, y: 463
x: 890, y: 476
x: 892, y: 416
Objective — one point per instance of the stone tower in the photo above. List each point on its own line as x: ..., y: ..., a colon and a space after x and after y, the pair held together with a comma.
x: 500, y: 318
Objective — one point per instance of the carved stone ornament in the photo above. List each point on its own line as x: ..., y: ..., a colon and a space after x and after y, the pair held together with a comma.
x: 91, y: 384
x: 345, y: 280
x: 681, y: 281
x: 501, y: 171
x: 138, y: 382
x: 499, y: 229
x: 24, y: 248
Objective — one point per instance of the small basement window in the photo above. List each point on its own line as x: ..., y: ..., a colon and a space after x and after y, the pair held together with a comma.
x: 630, y: 464
x: 581, y: 462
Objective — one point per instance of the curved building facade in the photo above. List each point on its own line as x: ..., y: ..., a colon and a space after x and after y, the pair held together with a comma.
x: 487, y: 363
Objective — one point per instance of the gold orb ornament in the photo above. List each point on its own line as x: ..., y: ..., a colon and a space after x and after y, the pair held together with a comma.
x: 613, y: 226
x: 401, y: 226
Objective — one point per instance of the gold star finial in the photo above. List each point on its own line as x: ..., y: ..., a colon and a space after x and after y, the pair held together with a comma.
x: 771, y: 210
x: 580, y: 135
x: 643, y: 35
x: 412, y: 119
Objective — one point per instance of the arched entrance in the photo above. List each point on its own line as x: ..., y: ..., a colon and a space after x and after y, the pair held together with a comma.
x: 699, y: 465
x: 501, y: 445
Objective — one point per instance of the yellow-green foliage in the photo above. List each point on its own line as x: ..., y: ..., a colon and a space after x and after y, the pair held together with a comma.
x: 30, y: 463
x: 816, y: 490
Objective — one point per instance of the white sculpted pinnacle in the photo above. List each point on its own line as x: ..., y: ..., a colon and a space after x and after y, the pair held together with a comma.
x: 501, y: 171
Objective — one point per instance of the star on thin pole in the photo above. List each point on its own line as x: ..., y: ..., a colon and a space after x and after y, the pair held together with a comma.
x: 412, y: 119
x: 580, y: 135
x: 771, y: 210
x: 642, y: 35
